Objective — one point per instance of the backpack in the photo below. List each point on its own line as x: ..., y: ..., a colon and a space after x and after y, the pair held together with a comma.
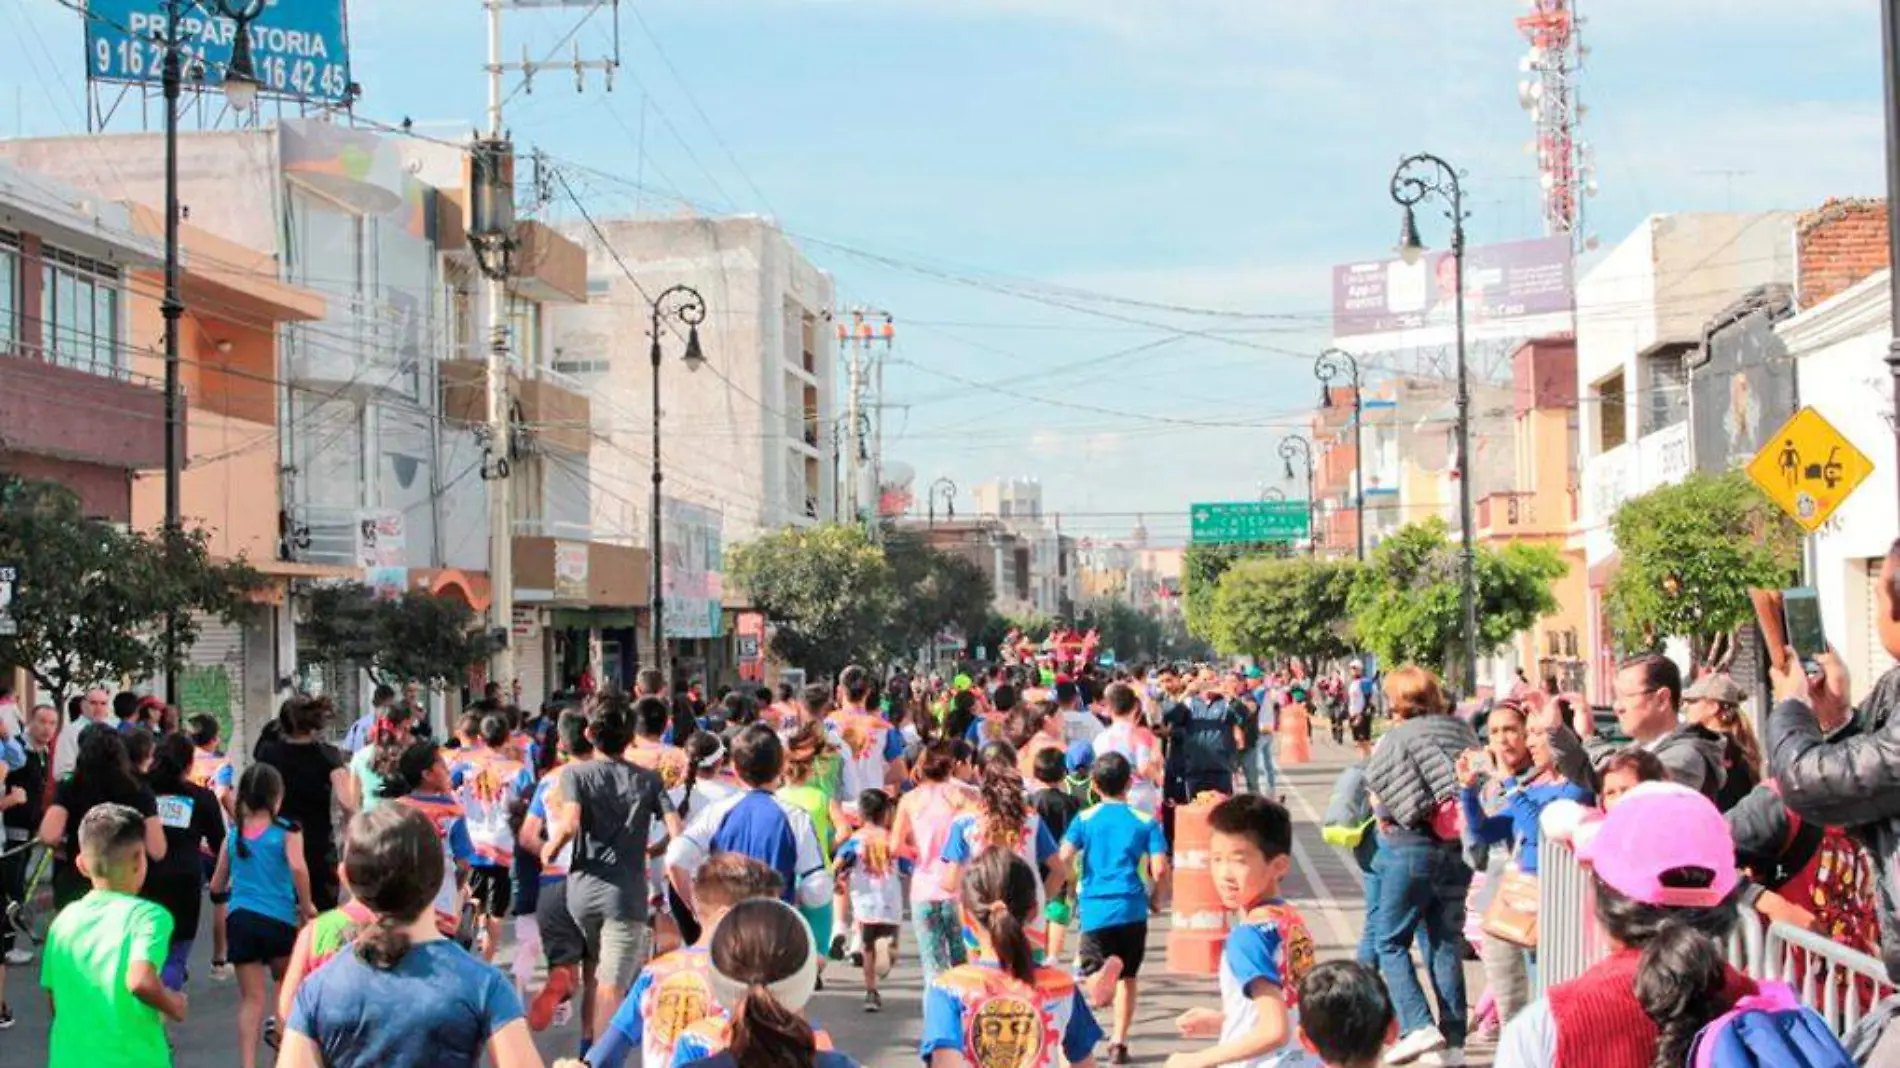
x: 1769, y: 1029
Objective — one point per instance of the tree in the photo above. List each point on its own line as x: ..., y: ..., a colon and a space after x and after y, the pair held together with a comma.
x: 419, y: 636
x: 91, y: 601
x: 933, y: 591
x: 1690, y: 553
x: 827, y: 589
x: 1405, y: 603
x: 1295, y: 607
x: 1202, y: 567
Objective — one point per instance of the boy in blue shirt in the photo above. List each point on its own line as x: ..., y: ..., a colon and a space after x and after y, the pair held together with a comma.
x: 1268, y: 951
x: 1113, y: 839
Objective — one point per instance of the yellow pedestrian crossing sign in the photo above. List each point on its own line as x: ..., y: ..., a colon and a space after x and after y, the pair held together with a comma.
x: 1808, y: 468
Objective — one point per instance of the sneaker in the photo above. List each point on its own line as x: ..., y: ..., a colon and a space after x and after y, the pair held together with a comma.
x: 559, y: 986
x: 857, y: 958
x: 1118, y: 1053
x: 837, y: 947
x: 220, y: 971
x: 564, y: 1013
x: 272, y: 1035
x: 1444, y: 1058
x: 1415, y: 1045
x: 19, y: 956
x: 873, y: 1002
x: 6, y: 1017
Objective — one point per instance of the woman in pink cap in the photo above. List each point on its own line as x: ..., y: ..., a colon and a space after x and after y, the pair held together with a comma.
x: 1666, y: 901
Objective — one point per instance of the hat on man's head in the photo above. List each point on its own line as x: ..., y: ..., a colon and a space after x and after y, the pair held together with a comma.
x: 1630, y: 852
x: 1716, y: 686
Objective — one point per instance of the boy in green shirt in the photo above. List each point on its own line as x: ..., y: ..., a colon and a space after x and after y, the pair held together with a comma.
x: 103, y: 956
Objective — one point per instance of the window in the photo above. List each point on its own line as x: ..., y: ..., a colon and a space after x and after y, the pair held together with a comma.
x: 1612, y: 418
x: 1666, y: 391
x: 9, y: 292
x: 524, y: 323
x: 79, y: 312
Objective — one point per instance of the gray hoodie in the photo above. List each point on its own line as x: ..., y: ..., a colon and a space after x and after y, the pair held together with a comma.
x: 1690, y: 755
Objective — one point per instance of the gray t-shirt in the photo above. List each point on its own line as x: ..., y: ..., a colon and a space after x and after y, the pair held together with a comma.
x: 619, y: 803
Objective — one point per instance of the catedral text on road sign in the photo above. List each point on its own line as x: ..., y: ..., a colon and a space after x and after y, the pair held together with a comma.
x: 1809, y: 468
x: 1234, y: 522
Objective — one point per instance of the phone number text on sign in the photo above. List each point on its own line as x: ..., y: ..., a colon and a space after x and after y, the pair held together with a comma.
x: 298, y: 47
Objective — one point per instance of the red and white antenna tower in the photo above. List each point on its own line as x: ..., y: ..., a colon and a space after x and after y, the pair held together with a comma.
x: 1548, y: 92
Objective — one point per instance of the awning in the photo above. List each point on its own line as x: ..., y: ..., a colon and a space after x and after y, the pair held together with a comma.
x: 471, y: 586
x: 592, y: 618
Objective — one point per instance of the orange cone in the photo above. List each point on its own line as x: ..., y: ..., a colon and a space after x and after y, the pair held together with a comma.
x: 1198, y: 930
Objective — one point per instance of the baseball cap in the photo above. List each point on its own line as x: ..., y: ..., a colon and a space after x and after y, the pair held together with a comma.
x: 1716, y: 686
x: 1080, y: 756
x: 1629, y: 856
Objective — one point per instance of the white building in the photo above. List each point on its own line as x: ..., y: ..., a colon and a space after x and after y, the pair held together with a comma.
x: 1840, y: 348
x: 1640, y: 313
x: 1017, y: 503
x: 749, y: 435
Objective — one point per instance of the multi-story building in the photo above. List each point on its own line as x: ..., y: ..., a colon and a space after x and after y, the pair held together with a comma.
x: 1641, y: 313
x: 1017, y: 504
x: 1004, y: 556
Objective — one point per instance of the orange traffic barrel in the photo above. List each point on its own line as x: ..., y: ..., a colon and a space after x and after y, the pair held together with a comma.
x: 1198, y: 927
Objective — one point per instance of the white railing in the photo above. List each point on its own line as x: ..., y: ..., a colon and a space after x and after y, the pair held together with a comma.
x: 1839, y: 983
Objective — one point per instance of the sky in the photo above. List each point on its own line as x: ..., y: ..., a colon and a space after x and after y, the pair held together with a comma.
x: 1105, y: 227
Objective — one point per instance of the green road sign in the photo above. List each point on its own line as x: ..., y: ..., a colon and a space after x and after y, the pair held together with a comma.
x: 1245, y: 521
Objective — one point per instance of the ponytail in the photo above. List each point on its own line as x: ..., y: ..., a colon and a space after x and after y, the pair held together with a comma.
x: 766, y: 1034
x: 999, y: 891
x: 1679, y: 983
x: 1005, y: 809
x: 382, y: 944
x: 686, y: 789
x: 1011, y: 941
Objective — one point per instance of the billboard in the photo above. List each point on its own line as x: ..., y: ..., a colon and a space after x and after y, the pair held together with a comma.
x: 1516, y: 289
x: 692, y: 566
x: 299, y: 47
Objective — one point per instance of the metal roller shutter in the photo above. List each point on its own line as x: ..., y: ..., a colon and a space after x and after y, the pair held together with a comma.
x: 531, y: 667
x: 212, y: 682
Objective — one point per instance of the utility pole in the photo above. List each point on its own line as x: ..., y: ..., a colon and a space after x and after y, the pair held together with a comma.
x: 491, y: 231
x: 859, y: 337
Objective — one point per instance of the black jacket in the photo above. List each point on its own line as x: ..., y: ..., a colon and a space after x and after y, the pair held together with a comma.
x: 1851, y: 780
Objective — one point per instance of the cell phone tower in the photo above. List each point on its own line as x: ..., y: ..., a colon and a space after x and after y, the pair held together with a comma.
x: 1549, y: 93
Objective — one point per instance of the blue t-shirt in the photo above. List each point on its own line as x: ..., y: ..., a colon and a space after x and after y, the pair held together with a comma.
x: 1113, y: 839
x: 966, y: 840
x: 1269, y: 948
x: 260, y: 873
x: 437, y: 1008
x: 1026, y: 1024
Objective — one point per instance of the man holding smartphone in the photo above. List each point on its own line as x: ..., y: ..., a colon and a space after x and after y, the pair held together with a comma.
x: 1648, y: 703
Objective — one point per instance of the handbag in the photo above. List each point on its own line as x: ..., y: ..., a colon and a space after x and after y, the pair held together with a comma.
x: 1512, y: 914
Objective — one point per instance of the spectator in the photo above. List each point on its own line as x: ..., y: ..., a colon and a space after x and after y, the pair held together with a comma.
x: 1420, y: 865
x: 1714, y: 703
x: 94, y: 707
x: 1204, y: 737
x: 23, y: 799
x: 1848, y: 776
x: 1665, y: 902
x: 1625, y: 770
x: 359, y: 734
x: 1648, y: 704
x: 1361, y: 698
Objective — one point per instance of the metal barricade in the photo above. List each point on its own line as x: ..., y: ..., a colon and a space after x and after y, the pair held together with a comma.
x: 1839, y: 983
x: 1568, y: 938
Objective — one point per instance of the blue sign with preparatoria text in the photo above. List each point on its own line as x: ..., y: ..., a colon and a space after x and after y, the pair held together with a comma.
x: 297, y: 46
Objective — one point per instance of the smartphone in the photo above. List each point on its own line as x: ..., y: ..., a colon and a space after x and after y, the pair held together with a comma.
x: 1802, y: 609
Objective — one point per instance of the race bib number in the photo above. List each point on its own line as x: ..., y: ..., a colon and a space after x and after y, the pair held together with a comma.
x: 175, y: 811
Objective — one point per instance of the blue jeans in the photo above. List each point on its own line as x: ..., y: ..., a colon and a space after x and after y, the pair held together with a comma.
x: 1421, y: 891
x: 1257, y: 763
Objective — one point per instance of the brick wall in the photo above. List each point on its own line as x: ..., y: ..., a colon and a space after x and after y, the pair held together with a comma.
x: 1837, y: 245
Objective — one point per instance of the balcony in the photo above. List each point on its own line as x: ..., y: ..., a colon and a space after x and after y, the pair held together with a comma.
x: 549, y: 268
x: 111, y: 419
x: 554, y: 407
x: 364, y: 346
x: 1508, y: 515
x: 559, y: 563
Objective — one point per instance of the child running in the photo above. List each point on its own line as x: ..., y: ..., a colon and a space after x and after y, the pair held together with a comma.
x: 490, y: 780
x: 920, y: 831
x: 562, y: 941
x: 194, y: 828
x: 400, y: 995
x: 211, y: 769
x: 1002, y: 1008
x: 104, y: 952
x: 1267, y: 953
x: 1002, y: 817
x: 1057, y: 806
x: 1346, y: 1017
x: 262, y: 865
x: 764, y: 972
x: 423, y: 779
x: 675, y: 991
x: 869, y: 862
x: 1113, y: 839
x: 1137, y: 744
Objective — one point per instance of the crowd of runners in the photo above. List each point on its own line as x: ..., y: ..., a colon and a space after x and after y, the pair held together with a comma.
x: 682, y: 876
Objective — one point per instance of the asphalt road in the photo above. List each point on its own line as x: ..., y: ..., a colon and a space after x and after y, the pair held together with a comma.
x: 1324, y: 883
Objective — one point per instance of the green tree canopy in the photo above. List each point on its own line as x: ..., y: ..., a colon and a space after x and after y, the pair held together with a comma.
x: 931, y: 591
x: 1405, y: 604
x: 91, y: 600
x: 1293, y: 607
x: 1202, y: 567
x: 1690, y: 552
x: 827, y: 589
x: 419, y: 636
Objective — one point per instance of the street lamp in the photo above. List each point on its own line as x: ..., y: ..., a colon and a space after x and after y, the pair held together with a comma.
x: 948, y: 490
x: 241, y: 89
x: 1294, y: 447
x: 683, y: 304
x: 1417, y: 178
x: 1338, y: 363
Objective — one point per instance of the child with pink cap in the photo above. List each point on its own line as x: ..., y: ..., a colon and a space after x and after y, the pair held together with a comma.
x: 1666, y: 901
